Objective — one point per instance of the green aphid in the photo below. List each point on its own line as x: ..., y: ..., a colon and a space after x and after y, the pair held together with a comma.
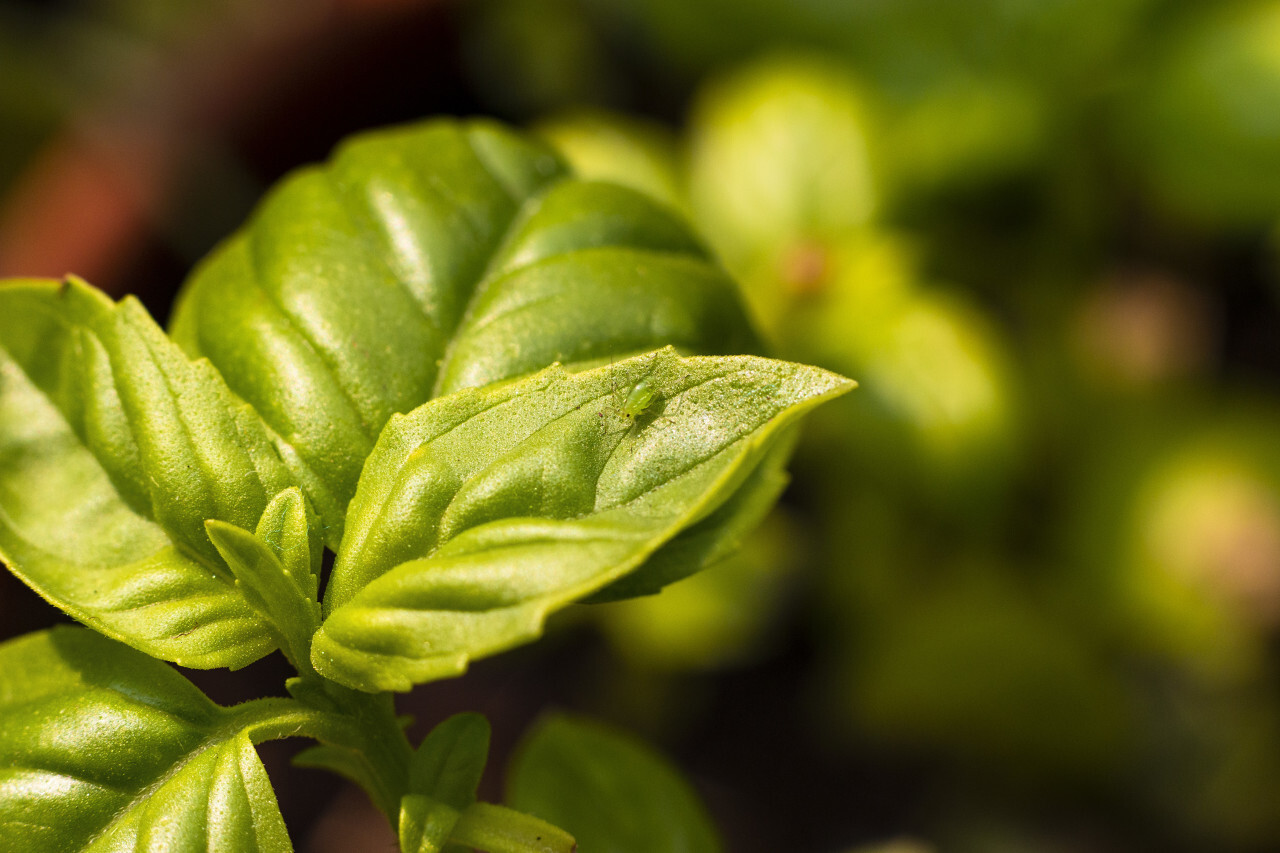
x: 640, y: 398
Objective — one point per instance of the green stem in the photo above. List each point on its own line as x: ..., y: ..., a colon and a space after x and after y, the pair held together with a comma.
x: 365, y: 726
x: 362, y: 724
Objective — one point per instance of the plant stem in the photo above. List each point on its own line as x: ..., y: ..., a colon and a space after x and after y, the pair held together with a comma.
x: 363, y: 725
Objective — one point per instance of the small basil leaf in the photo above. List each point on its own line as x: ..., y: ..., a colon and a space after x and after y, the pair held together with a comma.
x: 611, y: 791
x: 290, y: 528
x: 347, y: 763
x: 282, y: 591
x: 449, y: 763
x: 430, y: 826
x: 497, y: 829
x: 425, y: 824
x: 103, y: 748
x: 481, y: 513
x: 429, y: 258
x: 104, y: 480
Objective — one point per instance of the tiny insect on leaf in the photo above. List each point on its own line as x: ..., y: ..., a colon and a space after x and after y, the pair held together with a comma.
x: 640, y: 398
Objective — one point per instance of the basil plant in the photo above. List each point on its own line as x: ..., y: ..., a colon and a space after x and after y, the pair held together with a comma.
x: 489, y: 388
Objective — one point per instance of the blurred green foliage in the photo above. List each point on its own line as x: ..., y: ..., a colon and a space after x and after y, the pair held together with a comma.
x: 1202, y: 121
x: 1043, y: 538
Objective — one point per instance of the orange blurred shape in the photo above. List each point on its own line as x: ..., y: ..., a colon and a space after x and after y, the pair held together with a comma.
x: 81, y: 207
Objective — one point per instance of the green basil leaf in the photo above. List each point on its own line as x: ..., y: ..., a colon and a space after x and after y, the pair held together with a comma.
x: 103, y: 748
x: 611, y: 791
x: 425, y: 824
x: 205, y: 454
x: 441, y: 813
x: 480, y: 513
x: 275, y: 571
x: 497, y: 829
x: 430, y: 826
x: 114, y: 450
x: 443, y: 777
x: 289, y: 527
x: 715, y: 537
x: 447, y: 766
x: 429, y: 258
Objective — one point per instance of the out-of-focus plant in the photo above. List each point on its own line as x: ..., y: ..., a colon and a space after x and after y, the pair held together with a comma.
x: 643, y: 155
x: 976, y: 669
x: 1201, y: 122
x: 782, y: 154
x: 794, y: 218
x: 1181, y: 527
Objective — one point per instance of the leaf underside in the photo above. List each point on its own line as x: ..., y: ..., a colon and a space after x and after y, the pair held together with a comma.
x: 105, y: 749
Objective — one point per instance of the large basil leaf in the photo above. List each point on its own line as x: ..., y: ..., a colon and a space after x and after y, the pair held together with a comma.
x: 430, y: 258
x: 114, y: 451
x: 480, y: 513
x: 105, y: 749
x: 612, y: 792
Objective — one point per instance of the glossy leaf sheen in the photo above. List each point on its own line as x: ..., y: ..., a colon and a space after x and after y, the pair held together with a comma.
x: 425, y: 259
x: 612, y: 792
x: 114, y: 450
x: 105, y: 749
x: 480, y: 513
